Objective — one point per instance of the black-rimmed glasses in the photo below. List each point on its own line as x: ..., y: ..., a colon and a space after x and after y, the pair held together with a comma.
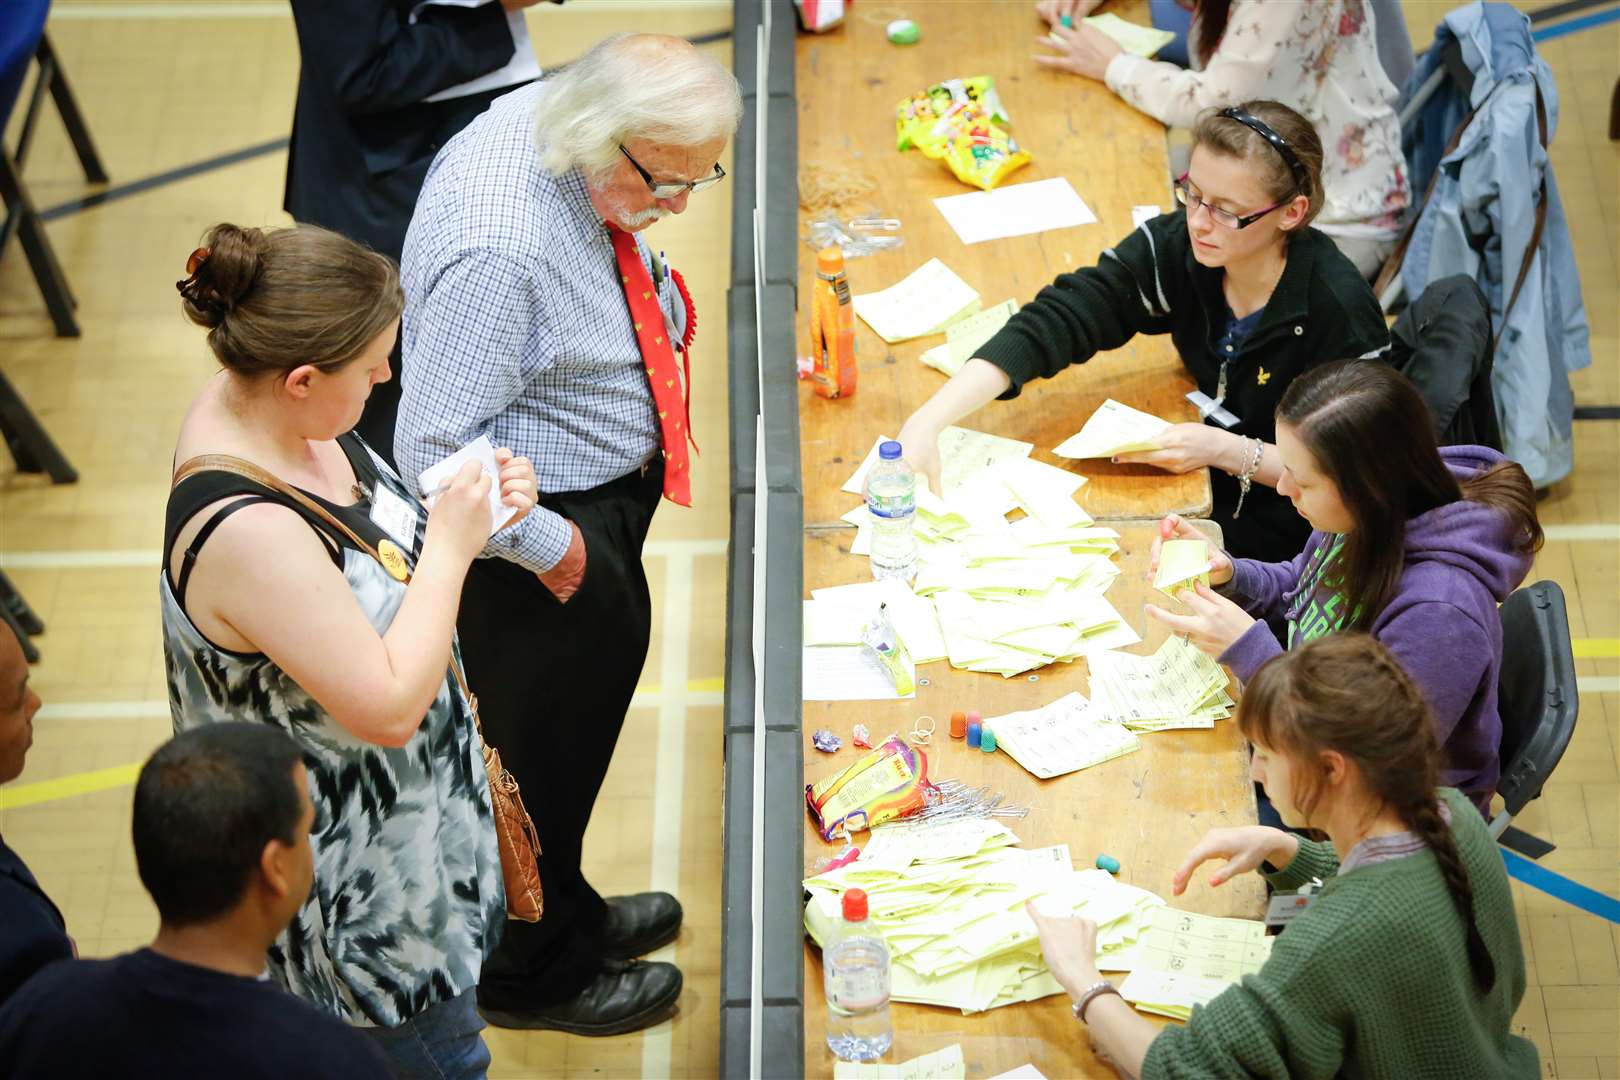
x: 676, y: 189
x: 1192, y: 199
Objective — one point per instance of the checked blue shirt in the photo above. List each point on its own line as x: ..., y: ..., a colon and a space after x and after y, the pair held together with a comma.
x: 516, y: 326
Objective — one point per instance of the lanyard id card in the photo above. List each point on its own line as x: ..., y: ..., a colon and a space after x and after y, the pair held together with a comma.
x: 394, y: 516
x: 1285, y: 907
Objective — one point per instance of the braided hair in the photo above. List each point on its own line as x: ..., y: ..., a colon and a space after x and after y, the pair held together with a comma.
x: 1346, y: 693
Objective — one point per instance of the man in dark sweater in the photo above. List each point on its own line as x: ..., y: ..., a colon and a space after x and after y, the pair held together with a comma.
x: 32, y: 933
x: 221, y: 824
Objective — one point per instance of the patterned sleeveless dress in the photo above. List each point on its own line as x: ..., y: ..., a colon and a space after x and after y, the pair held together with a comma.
x: 408, y: 898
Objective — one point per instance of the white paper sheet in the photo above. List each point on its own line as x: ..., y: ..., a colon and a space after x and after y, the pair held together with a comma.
x: 1113, y: 429
x: 1015, y: 210
x: 482, y: 451
x: 848, y: 673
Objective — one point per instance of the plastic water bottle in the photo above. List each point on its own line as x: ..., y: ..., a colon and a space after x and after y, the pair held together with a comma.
x: 891, y: 498
x: 855, y: 961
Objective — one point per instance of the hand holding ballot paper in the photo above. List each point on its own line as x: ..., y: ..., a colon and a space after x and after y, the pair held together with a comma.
x: 1113, y: 429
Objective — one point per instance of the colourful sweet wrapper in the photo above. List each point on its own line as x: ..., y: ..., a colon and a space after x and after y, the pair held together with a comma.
x: 961, y: 122
x: 890, y: 782
x: 824, y: 740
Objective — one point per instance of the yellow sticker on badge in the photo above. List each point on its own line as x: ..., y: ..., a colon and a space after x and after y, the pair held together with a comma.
x: 1263, y: 377
x: 393, y: 560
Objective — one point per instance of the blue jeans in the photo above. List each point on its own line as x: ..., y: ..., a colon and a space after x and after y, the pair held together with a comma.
x: 442, y: 1043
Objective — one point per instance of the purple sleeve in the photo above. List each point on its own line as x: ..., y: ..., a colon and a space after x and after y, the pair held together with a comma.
x: 1246, y: 655
x: 1446, y: 653
x: 1260, y: 586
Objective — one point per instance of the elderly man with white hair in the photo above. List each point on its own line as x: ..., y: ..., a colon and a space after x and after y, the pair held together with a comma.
x: 536, y: 316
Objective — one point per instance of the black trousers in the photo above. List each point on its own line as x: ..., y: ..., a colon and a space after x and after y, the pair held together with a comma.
x: 553, y: 682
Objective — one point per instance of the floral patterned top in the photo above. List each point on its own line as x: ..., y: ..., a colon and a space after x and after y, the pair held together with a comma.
x: 1319, y: 57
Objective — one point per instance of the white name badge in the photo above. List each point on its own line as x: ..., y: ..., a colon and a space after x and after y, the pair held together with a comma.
x: 394, y: 516
x: 1285, y: 907
x: 1211, y: 407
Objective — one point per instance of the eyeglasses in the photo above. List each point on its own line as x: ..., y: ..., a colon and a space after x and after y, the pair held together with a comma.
x: 674, y: 190
x: 1192, y: 199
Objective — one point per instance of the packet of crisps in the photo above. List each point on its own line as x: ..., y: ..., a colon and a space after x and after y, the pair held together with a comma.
x: 961, y: 122
x: 890, y: 782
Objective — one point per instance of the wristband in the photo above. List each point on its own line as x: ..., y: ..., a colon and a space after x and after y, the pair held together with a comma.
x: 1091, y: 993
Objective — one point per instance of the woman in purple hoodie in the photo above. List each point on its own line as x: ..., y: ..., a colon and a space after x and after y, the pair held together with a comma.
x: 1413, y: 544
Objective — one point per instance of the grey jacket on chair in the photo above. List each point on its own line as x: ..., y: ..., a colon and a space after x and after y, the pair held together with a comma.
x: 1480, y: 220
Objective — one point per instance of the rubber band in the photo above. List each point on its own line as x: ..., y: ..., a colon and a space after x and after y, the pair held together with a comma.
x: 919, y: 734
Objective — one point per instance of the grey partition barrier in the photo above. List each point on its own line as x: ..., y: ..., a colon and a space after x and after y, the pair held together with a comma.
x: 762, y: 958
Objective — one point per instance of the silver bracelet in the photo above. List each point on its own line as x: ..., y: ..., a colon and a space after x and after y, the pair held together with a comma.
x: 1246, y: 477
x: 1090, y: 993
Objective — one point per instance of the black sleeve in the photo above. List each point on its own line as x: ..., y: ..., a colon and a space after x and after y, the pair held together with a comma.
x: 1093, y: 309
x: 31, y: 935
x: 374, y: 58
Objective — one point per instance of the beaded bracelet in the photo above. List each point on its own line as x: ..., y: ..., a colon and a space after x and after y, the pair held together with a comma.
x: 1246, y: 477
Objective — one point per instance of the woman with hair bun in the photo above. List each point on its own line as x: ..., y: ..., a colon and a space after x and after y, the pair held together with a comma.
x: 272, y: 613
x: 1406, y: 963
x: 1250, y: 294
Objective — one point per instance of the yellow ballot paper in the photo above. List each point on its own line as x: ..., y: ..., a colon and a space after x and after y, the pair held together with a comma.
x: 1134, y: 38
x: 963, y: 338
x: 1061, y: 737
x: 946, y: 1064
x: 964, y: 456
x: 1113, y: 429
x: 925, y: 302
x: 1182, y: 959
x: 1182, y: 562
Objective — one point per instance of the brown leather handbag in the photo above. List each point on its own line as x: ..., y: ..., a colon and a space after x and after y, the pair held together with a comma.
x: 514, y: 829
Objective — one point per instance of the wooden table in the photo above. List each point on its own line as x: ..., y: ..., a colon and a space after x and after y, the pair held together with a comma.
x: 1146, y: 809
x: 849, y: 82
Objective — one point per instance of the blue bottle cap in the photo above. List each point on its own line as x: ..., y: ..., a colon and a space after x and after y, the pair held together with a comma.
x: 889, y: 451
x: 974, y: 733
x: 987, y: 741
x: 1108, y: 863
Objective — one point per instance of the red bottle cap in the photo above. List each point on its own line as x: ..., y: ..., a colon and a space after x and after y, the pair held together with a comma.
x: 958, y: 725
x: 973, y: 716
x: 855, y: 905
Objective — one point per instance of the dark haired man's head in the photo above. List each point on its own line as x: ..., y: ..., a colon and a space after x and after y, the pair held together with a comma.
x: 221, y: 827
x: 18, y: 704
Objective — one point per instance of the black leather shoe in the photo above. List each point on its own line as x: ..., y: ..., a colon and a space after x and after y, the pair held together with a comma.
x: 636, y: 925
x: 626, y: 995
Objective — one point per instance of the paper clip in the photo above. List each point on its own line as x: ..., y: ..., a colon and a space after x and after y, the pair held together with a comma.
x: 922, y: 729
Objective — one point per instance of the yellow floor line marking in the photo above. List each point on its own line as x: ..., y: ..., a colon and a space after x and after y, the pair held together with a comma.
x: 65, y: 787
x: 1596, y: 648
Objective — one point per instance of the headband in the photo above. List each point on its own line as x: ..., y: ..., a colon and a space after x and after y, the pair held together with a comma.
x: 1278, y: 143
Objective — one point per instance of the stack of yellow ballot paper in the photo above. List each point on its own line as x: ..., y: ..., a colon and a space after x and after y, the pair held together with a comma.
x: 949, y: 900
x: 1181, y: 960
x: 1008, y: 596
x: 1176, y: 687
x: 1113, y: 429
x: 1061, y: 737
x: 946, y: 1064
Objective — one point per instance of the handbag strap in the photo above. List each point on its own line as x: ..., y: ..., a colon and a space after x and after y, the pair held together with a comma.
x: 246, y: 469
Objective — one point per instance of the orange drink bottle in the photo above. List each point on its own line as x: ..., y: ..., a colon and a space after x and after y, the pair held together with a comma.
x: 832, y: 328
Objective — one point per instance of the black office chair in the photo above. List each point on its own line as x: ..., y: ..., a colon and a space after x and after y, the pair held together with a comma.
x: 1537, y: 698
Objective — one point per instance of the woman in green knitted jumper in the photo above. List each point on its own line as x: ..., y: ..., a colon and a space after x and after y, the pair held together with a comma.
x: 1408, y: 961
